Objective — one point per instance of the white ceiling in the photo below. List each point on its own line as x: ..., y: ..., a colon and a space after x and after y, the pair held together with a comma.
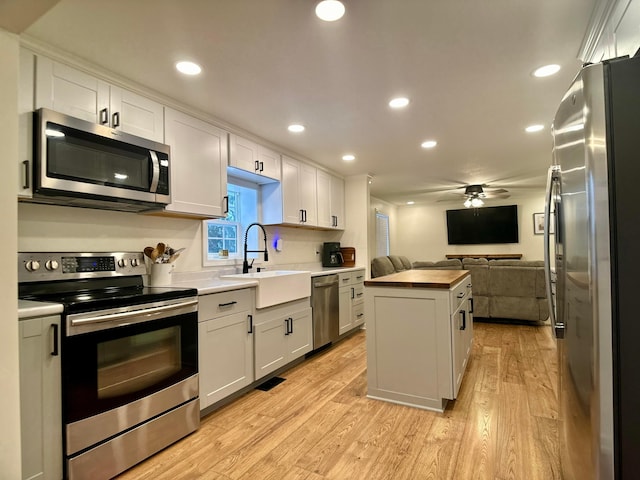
x: 465, y: 64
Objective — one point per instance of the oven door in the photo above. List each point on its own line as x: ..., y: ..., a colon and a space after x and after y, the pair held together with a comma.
x: 125, y: 368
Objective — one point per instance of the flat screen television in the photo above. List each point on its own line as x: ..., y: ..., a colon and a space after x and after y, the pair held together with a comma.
x: 472, y: 226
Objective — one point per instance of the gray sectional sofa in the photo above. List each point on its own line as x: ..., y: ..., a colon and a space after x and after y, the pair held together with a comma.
x: 510, y: 289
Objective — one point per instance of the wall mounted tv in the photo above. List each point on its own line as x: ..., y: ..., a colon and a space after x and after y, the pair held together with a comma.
x: 472, y: 226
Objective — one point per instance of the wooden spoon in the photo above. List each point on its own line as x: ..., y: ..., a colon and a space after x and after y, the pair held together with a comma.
x: 148, y: 251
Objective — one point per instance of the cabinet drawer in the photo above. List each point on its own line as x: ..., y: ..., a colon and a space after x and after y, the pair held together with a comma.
x: 224, y: 303
x: 358, y: 314
x: 357, y: 276
x: 358, y: 294
x: 344, y: 279
x: 459, y: 293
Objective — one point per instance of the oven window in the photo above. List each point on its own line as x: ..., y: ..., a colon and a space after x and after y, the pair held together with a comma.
x: 130, y: 364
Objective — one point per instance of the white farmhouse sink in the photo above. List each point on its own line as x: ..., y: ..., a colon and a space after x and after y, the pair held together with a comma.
x: 278, y: 286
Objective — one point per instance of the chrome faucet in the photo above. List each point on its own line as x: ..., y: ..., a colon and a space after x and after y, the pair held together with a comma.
x: 245, y: 263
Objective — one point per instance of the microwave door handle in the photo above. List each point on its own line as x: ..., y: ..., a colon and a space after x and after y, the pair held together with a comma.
x: 155, y: 171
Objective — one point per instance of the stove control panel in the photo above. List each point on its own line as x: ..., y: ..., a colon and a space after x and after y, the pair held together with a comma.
x: 42, y: 266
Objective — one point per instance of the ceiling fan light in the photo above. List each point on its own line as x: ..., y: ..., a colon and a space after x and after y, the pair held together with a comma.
x: 330, y: 10
x: 476, y: 202
x: 467, y: 203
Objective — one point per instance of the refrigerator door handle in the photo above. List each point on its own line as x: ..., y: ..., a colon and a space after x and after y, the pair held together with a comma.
x: 553, y: 177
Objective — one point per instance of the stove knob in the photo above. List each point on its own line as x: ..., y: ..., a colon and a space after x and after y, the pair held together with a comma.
x: 32, y: 265
x: 122, y: 263
x: 134, y: 262
x: 51, y: 265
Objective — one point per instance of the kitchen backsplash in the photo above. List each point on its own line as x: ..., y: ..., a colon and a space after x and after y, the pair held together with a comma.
x: 54, y: 228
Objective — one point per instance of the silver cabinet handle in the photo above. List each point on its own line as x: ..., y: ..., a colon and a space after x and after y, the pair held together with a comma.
x: 104, y: 116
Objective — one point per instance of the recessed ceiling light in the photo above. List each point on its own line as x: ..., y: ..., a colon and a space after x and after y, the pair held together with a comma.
x: 428, y: 144
x: 348, y: 157
x: 546, y: 70
x: 330, y: 10
x: 296, y: 128
x: 534, y: 128
x: 188, y: 68
x: 411, y: 202
x: 399, y: 102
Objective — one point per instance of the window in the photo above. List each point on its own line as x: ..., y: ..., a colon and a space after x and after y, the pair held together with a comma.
x: 228, y: 233
x: 382, y: 235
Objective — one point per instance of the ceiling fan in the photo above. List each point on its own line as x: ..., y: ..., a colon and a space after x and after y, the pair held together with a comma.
x: 475, y: 193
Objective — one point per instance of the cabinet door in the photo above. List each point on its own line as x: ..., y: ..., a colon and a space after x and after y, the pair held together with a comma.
x: 337, y: 203
x: 268, y: 163
x: 225, y: 357
x: 459, y: 347
x: 243, y: 153
x: 291, y: 191
x: 198, y: 166
x: 137, y: 115
x: 270, y: 346
x: 300, y: 337
x: 308, y: 194
x: 70, y: 91
x: 323, y: 182
x: 25, y: 123
x: 345, y: 321
x: 40, y: 398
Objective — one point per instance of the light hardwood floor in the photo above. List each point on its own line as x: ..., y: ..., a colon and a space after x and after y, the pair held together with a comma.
x: 319, y: 424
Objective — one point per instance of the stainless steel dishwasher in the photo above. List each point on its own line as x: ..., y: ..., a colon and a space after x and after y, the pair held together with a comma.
x: 324, y: 301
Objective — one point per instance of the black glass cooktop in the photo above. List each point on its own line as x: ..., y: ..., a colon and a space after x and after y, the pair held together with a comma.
x: 99, y: 294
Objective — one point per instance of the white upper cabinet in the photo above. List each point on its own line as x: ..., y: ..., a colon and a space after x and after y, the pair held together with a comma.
x: 198, y: 166
x: 293, y: 200
x: 251, y: 157
x: 330, y: 201
x: 25, y: 123
x: 72, y: 92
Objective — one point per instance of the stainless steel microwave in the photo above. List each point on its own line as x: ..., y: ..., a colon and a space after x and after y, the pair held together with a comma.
x: 79, y: 163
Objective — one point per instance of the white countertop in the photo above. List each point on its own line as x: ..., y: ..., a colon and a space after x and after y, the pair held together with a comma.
x: 31, y: 309
x: 206, y: 286
x: 334, y: 270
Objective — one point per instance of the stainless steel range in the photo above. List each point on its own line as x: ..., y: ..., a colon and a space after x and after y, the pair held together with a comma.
x: 129, y: 357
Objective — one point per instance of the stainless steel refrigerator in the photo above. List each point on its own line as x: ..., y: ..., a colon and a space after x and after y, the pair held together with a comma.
x: 593, y: 196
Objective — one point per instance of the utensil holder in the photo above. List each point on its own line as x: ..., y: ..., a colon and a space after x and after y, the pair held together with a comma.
x: 160, y: 274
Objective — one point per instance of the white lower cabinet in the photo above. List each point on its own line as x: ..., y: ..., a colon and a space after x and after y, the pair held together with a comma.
x: 351, y: 300
x: 283, y: 333
x: 418, y: 343
x: 461, y: 334
x: 40, y: 398
x: 225, y: 344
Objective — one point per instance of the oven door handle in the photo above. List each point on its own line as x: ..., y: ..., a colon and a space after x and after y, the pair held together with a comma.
x: 132, y: 316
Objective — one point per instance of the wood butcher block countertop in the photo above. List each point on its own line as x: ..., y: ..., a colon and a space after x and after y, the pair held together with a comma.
x: 419, y: 279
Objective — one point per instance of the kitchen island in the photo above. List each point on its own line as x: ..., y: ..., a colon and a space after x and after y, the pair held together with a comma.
x: 419, y: 336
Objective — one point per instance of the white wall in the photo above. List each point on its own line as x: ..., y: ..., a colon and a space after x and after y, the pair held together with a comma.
x: 356, y: 198
x: 422, y: 231
x: 9, y: 364
x: 55, y: 228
